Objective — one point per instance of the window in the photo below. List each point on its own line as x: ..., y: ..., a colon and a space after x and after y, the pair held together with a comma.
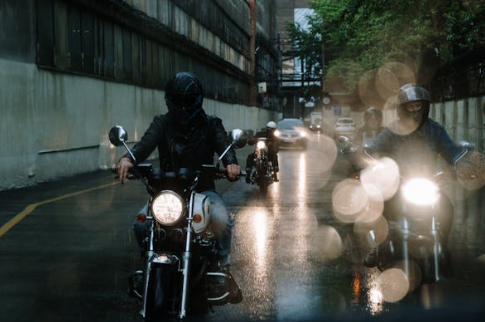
x: 75, y: 47
x: 45, y: 33
x: 74, y: 39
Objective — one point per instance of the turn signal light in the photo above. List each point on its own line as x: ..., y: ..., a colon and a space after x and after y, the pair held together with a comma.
x: 141, y: 217
x: 197, y: 218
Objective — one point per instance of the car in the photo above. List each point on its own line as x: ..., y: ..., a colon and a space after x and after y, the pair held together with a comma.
x: 316, y: 125
x: 344, y: 126
x: 292, y: 132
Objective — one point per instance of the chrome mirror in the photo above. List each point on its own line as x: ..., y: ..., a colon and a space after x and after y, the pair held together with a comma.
x: 118, y: 135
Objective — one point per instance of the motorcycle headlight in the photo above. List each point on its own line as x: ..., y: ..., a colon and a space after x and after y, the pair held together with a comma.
x: 261, y: 145
x: 167, y: 208
x: 277, y: 133
x: 421, y: 192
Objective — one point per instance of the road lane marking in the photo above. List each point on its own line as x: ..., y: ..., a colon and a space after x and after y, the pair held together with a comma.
x: 15, y: 220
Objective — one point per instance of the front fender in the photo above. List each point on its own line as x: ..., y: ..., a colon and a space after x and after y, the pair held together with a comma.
x: 201, y: 209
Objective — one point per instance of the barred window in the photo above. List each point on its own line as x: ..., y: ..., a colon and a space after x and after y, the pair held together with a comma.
x: 74, y: 39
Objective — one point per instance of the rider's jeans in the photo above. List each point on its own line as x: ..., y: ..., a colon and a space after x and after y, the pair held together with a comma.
x: 221, y: 224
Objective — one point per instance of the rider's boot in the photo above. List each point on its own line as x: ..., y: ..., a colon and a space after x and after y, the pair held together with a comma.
x: 275, y: 174
x: 135, y: 282
x: 371, y: 259
x: 275, y: 177
x: 236, y: 293
x: 248, y: 175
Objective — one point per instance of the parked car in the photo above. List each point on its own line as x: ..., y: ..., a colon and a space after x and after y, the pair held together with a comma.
x: 344, y: 126
x: 292, y: 132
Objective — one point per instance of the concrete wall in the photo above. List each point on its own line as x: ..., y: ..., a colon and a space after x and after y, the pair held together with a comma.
x: 463, y: 119
x: 55, y: 124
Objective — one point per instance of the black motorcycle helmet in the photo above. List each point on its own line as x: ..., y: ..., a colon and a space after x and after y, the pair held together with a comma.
x: 373, y: 113
x: 412, y: 93
x: 184, y: 96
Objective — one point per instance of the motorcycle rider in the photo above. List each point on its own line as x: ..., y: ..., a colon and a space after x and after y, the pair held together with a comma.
x: 371, y: 128
x: 415, y: 141
x: 186, y: 137
x: 273, y: 149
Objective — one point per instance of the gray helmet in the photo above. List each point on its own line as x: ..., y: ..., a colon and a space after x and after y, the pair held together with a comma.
x: 412, y: 93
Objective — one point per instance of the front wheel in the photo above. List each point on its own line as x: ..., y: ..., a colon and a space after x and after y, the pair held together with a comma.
x: 438, y: 265
x: 263, y: 182
x: 263, y: 186
x: 161, y: 295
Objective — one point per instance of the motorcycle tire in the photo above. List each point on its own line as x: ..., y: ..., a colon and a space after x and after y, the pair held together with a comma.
x: 263, y: 183
x: 263, y: 186
x: 444, y: 267
x: 160, y: 291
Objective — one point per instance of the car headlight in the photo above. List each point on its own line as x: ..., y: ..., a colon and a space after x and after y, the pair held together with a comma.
x: 261, y: 145
x: 302, y: 133
x: 421, y: 192
x: 167, y: 208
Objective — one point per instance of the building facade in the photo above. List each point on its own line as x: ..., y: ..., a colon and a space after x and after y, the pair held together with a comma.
x: 71, y: 69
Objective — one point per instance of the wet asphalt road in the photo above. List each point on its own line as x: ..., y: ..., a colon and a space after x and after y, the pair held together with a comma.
x: 69, y: 257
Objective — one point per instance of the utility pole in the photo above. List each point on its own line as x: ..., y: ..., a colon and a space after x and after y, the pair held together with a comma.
x: 324, y: 70
x: 252, y: 52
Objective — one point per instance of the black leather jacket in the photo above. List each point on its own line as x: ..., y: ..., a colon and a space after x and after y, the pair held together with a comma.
x: 418, y: 151
x: 272, y: 141
x: 190, y: 150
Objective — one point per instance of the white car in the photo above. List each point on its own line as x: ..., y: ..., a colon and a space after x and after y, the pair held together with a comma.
x: 345, y: 126
x: 291, y: 132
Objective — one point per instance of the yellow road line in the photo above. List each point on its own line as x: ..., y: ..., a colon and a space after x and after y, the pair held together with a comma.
x: 15, y: 220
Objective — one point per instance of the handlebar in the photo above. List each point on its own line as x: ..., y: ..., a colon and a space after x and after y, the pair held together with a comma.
x: 146, y: 170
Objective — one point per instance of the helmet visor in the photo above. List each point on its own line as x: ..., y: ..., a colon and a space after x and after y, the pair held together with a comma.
x: 411, y: 93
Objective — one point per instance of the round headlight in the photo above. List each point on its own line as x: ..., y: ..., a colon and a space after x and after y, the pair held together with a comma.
x: 261, y: 145
x: 421, y: 192
x: 167, y: 208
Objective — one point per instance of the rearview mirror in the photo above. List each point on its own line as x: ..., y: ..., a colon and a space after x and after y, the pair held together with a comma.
x: 118, y: 135
x: 239, y: 138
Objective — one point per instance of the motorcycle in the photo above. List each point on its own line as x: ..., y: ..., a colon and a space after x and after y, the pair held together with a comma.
x: 262, y: 173
x: 417, y: 215
x: 416, y: 243
x: 181, y: 273
x: 353, y: 156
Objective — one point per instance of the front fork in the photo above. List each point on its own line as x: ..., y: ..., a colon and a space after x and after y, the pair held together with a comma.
x: 149, y: 255
x: 405, y: 246
x: 186, y: 259
x: 436, y: 250
x: 185, y: 270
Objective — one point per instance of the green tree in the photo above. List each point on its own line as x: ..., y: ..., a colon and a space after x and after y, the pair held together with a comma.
x: 390, y: 41
x: 308, y: 45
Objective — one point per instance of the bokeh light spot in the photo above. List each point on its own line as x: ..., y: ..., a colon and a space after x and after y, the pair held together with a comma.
x: 349, y: 198
x: 328, y: 243
x: 375, y: 206
x: 379, y: 227
x: 394, y: 285
x: 384, y: 175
